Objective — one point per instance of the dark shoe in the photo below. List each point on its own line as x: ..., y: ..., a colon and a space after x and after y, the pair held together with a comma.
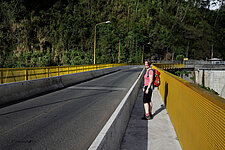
x: 143, y: 118
x: 148, y: 117
x: 151, y: 116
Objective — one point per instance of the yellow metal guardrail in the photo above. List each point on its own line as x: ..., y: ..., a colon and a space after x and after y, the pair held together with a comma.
x: 197, y: 115
x: 169, y: 66
x: 8, y: 75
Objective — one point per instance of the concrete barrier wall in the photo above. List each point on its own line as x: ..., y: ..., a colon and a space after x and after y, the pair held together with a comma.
x: 110, y: 137
x: 11, y: 92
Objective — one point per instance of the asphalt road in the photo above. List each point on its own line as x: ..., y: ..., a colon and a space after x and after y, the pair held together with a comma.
x: 68, y: 119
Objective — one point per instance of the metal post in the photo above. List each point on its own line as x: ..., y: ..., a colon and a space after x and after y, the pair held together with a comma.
x: 203, y: 77
x: 212, y: 52
x: 95, y: 37
x: 119, y: 53
x: 1, y: 76
x: 95, y: 43
x: 142, y: 56
x: 26, y: 74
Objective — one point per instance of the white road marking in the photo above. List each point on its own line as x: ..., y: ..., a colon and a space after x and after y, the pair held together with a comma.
x: 97, y: 88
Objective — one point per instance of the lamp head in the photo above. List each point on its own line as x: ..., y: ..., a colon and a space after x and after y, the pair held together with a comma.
x: 107, y: 22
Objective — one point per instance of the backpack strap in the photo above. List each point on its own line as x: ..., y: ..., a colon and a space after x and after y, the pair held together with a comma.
x: 152, y: 85
x: 153, y: 72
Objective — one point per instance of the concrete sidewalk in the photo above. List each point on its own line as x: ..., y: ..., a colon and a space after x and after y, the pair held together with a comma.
x: 155, y: 134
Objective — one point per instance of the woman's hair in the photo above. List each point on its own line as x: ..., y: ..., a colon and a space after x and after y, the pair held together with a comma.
x: 149, y: 63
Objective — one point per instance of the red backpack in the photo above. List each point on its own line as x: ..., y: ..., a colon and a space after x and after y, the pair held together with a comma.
x: 156, y: 78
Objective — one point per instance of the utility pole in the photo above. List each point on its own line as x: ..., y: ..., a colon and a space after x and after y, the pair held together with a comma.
x: 119, y: 53
x: 143, y: 50
x: 212, y: 52
x: 95, y: 37
x: 187, y: 49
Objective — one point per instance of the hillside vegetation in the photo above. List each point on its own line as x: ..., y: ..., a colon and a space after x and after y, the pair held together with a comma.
x: 54, y: 32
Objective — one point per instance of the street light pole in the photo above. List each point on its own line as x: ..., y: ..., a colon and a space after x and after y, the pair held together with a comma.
x: 95, y: 37
x: 119, y: 53
x: 142, y: 57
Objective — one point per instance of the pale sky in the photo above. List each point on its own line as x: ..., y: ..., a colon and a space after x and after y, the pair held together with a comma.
x: 214, y: 7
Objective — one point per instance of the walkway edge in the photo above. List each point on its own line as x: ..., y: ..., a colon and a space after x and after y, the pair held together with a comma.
x: 112, y: 133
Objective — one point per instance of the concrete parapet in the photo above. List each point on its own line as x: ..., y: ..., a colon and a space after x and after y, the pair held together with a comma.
x: 97, y: 73
x: 71, y: 79
x: 11, y: 92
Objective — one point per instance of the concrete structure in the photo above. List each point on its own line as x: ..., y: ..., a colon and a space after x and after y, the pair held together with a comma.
x: 208, y: 75
x: 216, y: 61
x: 214, y: 79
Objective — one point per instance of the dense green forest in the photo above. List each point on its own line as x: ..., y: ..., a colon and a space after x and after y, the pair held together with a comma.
x: 61, y: 32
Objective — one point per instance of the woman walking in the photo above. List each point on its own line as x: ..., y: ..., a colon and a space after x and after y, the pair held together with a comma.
x: 147, y: 89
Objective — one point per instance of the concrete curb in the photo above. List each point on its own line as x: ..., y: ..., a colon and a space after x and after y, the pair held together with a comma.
x: 17, y: 91
x: 111, y: 135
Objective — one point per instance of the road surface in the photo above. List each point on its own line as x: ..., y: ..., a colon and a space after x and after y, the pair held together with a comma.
x: 67, y: 119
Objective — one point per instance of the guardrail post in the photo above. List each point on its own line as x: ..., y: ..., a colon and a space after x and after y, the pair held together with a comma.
x: 1, y: 76
x: 58, y: 71
x: 48, y: 72
x: 26, y: 74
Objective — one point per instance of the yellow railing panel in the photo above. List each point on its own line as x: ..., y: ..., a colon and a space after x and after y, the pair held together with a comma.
x: 169, y: 66
x: 197, y: 115
x: 35, y: 73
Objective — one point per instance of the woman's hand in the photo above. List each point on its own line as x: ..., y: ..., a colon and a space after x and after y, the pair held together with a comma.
x: 146, y: 92
x: 143, y: 89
